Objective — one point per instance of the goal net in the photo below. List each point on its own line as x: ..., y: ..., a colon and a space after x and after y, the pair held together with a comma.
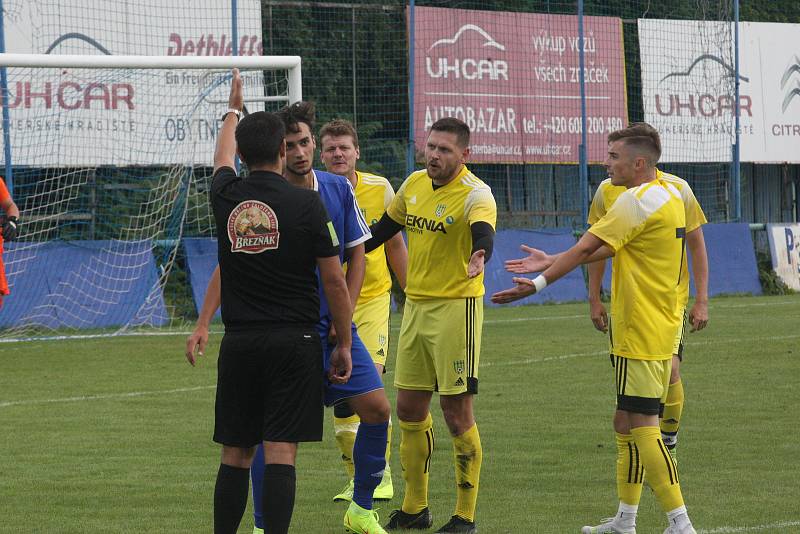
x: 110, y: 159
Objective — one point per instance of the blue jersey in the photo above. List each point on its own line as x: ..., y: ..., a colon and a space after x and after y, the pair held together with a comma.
x: 351, y: 228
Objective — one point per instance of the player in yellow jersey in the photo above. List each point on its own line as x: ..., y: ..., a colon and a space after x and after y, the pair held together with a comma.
x: 603, y: 199
x: 449, y: 215
x: 645, y: 232
x: 697, y: 317
x: 340, y: 151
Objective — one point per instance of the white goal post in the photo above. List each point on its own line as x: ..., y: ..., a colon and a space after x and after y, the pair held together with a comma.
x: 291, y: 63
x: 110, y: 158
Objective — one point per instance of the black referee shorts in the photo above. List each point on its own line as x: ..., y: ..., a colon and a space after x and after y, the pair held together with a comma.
x: 269, y: 387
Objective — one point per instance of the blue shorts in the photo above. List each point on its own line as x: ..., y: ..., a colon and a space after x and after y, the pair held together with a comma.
x: 363, y: 379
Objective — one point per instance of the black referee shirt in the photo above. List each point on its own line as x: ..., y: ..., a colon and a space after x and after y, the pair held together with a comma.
x: 269, y: 234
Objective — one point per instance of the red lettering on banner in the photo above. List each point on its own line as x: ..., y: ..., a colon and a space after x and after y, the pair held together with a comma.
x: 61, y: 100
x: 208, y: 45
x: 71, y: 95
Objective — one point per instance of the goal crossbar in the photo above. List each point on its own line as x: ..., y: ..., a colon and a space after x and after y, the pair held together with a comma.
x: 291, y: 63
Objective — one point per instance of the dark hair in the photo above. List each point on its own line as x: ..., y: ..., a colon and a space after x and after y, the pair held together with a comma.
x: 454, y: 126
x: 643, y: 138
x: 259, y: 137
x: 339, y: 127
x: 293, y: 114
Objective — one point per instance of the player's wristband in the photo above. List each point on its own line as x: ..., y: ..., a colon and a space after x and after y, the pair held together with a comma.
x: 540, y: 282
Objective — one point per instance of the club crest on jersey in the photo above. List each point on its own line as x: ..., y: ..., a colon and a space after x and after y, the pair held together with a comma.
x: 458, y: 366
x: 253, y: 228
x: 381, y: 340
x: 440, y: 208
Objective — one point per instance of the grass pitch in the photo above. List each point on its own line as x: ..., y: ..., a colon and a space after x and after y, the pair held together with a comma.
x: 113, y: 435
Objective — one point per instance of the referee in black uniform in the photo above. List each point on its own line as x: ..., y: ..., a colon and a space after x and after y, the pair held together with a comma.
x: 271, y: 237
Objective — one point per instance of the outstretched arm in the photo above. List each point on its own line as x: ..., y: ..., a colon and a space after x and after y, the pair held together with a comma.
x: 588, y: 249
x: 538, y: 260
x: 381, y: 232
x: 225, y: 152
x: 482, y: 247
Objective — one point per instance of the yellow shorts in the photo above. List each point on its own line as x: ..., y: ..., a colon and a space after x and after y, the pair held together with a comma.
x: 440, y: 345
x: 372, y: 322
x: 641, y: 384
x: 677, y: 346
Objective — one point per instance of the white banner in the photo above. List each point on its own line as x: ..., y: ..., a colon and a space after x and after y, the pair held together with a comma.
x: 784, y: 244
x: 688, y: 89
x: 87, y: 117
x: 771, y: 54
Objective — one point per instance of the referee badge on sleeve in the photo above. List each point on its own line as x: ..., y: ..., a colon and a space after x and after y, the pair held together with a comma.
x: 332, y: 231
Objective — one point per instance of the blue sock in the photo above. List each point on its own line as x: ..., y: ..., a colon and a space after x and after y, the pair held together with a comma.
x: 369, y: 458
x: 257, y: 476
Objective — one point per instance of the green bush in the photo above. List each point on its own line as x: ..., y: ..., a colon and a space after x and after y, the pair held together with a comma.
x: 771, y: 284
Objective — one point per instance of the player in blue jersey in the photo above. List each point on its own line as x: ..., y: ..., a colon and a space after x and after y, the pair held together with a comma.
x: 364, y: 390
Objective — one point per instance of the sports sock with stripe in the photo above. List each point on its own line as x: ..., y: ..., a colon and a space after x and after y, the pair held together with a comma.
x: 662, y: 474
x: 630, y: 470
x: 416, y: 448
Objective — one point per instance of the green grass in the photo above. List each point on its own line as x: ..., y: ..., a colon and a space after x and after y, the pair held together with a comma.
x: 114, y: 434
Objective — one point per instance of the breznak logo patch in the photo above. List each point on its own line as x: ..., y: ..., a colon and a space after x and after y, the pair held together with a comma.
x: 253, y: 228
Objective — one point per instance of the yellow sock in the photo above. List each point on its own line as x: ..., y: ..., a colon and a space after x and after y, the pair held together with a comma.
x: 345, y: 429
x: 673, y: 408
x: 630, y: 470
x: 662, y: 474
x: 416, y: 448
x: 468, y: 457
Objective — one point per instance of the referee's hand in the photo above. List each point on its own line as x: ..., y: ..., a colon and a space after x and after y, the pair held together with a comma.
x: 197, y: 340
x: 341, y: 366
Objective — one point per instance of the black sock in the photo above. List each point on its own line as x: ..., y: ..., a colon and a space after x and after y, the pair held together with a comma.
x: 230, y: 498
x: 278, y: 497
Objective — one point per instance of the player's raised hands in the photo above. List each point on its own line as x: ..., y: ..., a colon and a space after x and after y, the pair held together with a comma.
x: 197, y: 340
x: 524, y: 287
x: 236, y: 98
x: 476, y: 263
x: 341, y: 365
x: 535, y: 262
x: 698, y: 316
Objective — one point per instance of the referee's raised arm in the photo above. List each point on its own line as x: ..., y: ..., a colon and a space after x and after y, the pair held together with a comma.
x: 225, y: 153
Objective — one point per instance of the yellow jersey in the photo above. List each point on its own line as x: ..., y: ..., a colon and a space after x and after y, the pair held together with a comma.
x: 374, y: 193
x: 646, y: 228
x: 437, y: 223
x: 607, y: 193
